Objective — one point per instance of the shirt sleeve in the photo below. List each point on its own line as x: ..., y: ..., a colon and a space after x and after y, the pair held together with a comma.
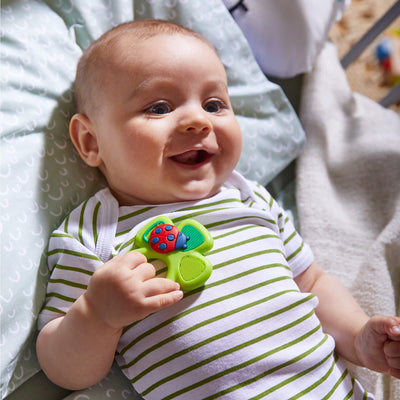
x: 76, y: 249
x: 298, y: 253
x: 72, y: 260
x: 72, y: 266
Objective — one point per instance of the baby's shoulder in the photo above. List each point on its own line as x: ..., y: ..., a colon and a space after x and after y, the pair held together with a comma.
x: 92, y: 209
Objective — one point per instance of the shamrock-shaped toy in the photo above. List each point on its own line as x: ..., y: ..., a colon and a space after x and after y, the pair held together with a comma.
x: 180, y: 247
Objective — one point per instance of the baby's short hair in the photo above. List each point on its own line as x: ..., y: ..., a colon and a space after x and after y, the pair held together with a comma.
x: 88, y: 76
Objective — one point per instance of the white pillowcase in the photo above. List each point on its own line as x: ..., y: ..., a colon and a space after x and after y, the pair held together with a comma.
x: 286, y: 36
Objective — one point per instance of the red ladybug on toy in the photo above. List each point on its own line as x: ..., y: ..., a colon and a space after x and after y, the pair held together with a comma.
x: 165, y: 238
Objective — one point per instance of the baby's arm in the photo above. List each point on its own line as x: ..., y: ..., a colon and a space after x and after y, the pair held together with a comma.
x: 370, y: 342
x: 77, y: 350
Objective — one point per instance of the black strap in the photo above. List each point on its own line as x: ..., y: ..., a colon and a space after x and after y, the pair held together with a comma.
x: 240, y: 4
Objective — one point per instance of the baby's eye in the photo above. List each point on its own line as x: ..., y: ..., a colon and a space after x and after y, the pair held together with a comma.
x: 159, y: 108
x: 214, y: 106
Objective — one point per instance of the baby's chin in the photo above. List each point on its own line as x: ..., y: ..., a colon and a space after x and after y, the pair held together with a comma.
x: 196, y: 192
x: 126, y: 199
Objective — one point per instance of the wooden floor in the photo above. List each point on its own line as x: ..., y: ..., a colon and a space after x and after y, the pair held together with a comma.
x: 365, y: 75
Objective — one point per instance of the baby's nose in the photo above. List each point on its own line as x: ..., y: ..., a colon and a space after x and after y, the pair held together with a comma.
x: 196, y: 121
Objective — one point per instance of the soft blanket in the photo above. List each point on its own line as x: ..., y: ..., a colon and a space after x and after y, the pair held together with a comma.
x: 348, y: 194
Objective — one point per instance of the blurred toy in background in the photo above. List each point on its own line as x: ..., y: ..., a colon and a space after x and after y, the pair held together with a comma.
x: 388, y: 54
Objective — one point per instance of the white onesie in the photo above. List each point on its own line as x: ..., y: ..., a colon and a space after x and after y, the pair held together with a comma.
x: 249, y: 333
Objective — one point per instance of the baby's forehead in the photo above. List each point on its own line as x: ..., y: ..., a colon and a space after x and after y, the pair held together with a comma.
x: 112, y: 55
x: 128, y: 50
x: 125, y: 62
x: 119, y: 43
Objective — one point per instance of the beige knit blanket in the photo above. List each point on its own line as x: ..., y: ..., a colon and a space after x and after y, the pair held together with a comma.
x: 348, y: 195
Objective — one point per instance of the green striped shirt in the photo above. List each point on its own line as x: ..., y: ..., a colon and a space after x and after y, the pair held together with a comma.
x: 249, y: 333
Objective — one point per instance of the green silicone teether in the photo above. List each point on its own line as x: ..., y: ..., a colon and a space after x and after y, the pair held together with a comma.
x: 180, y: 247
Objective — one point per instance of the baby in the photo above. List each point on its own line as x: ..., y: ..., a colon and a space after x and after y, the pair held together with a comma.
x: 154, y: 115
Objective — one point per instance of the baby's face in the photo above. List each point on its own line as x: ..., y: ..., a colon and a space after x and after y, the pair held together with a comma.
x: 166, y: 130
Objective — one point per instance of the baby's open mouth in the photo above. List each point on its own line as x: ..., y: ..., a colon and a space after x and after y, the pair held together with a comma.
x: 192, y: 157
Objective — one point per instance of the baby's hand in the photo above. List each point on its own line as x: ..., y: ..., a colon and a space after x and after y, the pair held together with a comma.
x: 378, y: 345
x: 125, y: 290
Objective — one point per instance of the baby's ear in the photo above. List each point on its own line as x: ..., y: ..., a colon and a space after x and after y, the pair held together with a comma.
x: 85, y: 140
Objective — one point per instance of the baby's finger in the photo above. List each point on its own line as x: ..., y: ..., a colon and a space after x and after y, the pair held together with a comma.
x: 144, y: 271
x: 393, y: 329
x: 386, y: 327
x: 392, y: 352
x: 133, y: 259
x: 160, y: 301
x: 395, y: 372
x: 394, y: 363
x: 156, y: 286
